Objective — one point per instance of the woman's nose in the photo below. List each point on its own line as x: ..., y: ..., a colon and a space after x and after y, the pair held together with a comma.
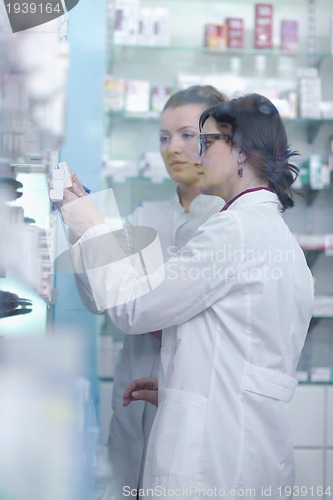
x: 175, y: 144
x: 198, y: 159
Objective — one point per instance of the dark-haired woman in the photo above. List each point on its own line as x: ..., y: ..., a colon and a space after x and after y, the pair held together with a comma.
x: 176, y: 221
x: 234, y: 307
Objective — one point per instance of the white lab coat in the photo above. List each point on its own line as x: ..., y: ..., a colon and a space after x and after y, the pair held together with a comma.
x: 234, y: 324
x: 130, y: 426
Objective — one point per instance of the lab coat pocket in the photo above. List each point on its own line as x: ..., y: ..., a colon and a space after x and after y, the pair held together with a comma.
x: 178, y: 449
x: 267, y: 449
x: 267, y: 382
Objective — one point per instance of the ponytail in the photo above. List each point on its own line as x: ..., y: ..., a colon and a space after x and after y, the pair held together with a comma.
x: 281, y: 175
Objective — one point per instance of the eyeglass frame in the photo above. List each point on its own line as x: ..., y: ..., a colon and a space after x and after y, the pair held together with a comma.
x: 201, y: 137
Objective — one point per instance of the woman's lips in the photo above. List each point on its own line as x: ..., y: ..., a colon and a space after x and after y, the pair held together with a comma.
x: 178, y: 163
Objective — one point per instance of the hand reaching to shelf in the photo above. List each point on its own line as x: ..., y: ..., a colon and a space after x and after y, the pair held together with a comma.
x: 77, y: 210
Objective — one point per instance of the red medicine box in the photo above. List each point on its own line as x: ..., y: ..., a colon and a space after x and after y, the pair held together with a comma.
x: 263, y: 26
x: 235, y: 32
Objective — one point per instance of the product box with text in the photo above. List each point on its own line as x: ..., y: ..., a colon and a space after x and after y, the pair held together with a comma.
x: 263, y: 26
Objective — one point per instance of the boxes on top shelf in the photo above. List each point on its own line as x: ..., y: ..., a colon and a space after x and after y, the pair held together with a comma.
x: 136, y: 25
x: 161, y: 26
x: 263, y: 28
x: 234, y: 32
x: 229, y: 34
x: 145, y: 27
x: 289, y: 35
x: 215, y: 36
x: 154, y: 27
x: 126, y: 17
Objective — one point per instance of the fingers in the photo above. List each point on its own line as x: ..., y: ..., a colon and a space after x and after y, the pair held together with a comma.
x: 75, y: 192
x: 69, y: 196
x: 135, y: 385
x: 148, y: 396
x: 141, y: 383
x: 144, y: 395
x: 144, y: 389
x: 78, y: 182
x: 77, y: 187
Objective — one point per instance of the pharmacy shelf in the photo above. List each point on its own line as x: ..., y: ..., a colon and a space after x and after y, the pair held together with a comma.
x: 126, y: 57
x: 244, y: 52
x: 154, y: 116
x: 126, y: 116
x: 139, y: 180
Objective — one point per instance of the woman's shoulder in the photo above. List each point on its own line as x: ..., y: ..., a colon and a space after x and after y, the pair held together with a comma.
x: 151, y: 211
x: 219, y: 228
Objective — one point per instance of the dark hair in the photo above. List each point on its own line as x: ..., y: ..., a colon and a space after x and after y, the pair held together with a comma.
x: 259, y: 133
x: 207, y: 95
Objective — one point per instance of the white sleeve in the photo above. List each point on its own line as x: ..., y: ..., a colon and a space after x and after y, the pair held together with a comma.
x: 192, y: 280
x: 81, y: 279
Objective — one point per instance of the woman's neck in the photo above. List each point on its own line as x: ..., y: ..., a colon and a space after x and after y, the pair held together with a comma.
x: 244, y: 186
x: 187, y: 194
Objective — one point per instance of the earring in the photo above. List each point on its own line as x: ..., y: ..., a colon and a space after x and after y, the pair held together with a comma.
x: 241, y: 169
x: 241, y: 162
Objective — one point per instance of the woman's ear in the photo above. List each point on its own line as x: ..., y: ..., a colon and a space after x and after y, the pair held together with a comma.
x: 242, y: 158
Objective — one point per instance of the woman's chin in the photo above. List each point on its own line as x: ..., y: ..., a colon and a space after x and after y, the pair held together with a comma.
x: 183, y: 178
x: 203, y: 188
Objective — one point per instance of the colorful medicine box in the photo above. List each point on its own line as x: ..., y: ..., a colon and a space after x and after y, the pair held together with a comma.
x: 215, y: 36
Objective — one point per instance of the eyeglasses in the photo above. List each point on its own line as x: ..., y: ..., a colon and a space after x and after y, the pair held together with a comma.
x: 204, y: 141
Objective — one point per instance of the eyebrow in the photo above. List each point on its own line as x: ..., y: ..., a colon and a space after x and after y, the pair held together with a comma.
x: 180, y: 129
